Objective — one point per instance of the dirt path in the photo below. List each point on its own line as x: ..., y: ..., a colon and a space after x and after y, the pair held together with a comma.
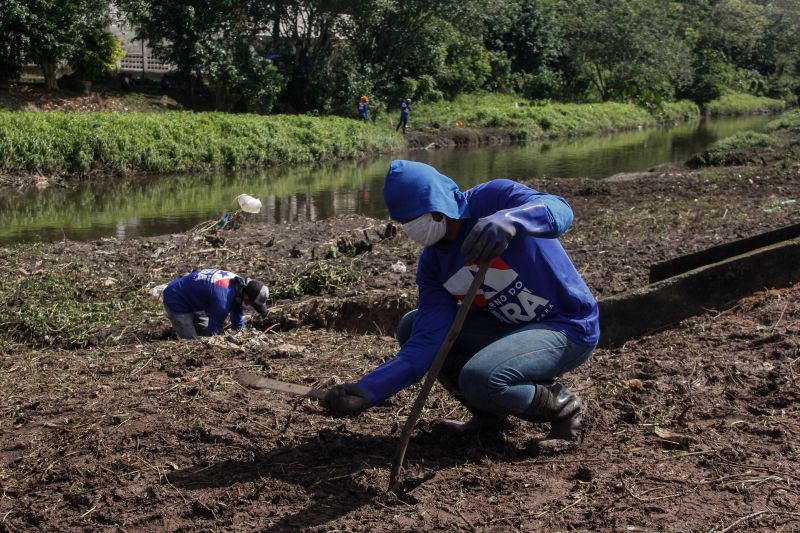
x: 116, y: 426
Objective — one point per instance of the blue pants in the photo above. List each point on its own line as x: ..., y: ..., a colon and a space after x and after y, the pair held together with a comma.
x: 187, y: 325
x: 403, y: 122
x: 496, y: 366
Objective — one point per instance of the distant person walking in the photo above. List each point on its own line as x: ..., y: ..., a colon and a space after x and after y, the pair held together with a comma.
x: 405, y: 110
x: 363, y: 108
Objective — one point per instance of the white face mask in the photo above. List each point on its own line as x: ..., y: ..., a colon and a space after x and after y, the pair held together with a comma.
x: 425, y: 230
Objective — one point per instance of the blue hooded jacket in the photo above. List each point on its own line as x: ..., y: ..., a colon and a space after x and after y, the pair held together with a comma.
x: 214, y: 292
x: 533, y: 281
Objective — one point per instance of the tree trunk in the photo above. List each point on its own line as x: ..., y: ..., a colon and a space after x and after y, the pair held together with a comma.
x: 49, y: 72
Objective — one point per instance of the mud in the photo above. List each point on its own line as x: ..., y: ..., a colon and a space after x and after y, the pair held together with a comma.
x: 691, y: 429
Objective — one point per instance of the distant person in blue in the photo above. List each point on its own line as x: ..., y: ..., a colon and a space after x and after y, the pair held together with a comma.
x: 198, y: 303
x: 405, y: 110
x: 363, y: 108
x: 532, y: 320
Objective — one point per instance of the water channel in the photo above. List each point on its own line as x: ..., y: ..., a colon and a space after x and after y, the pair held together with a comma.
x: 170, y: 204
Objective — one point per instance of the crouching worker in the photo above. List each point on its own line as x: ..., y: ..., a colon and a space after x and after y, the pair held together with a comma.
x: 198, y: 303
x: 532, y: 320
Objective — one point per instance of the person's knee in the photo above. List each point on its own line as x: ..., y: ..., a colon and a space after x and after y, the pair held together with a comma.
x: 472, y: 382
x: 404, y: 327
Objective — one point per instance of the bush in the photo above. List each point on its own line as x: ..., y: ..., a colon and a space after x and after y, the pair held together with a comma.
x: 743, y: 104
x: 739, y: 149
x: 787, y: 121
x: 677, y: 111
x: 98, y: 55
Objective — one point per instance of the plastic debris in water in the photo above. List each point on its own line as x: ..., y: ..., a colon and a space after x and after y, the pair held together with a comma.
x: 248, y: 203
x: 226, y: 217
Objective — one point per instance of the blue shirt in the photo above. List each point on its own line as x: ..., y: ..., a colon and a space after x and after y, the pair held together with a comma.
x: 212, y: 291
x: 533, y: 281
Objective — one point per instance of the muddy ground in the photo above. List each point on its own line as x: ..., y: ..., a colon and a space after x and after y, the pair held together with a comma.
x: 109, y: 423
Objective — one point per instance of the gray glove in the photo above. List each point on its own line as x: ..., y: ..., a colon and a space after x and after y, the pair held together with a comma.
x: 346, y: 400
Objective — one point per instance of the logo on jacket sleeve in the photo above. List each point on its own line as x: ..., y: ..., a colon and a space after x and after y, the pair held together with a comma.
x: 215, y: 276
x: 502, y: 293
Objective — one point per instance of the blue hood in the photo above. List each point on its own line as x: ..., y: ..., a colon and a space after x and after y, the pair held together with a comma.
x: 413, y: 189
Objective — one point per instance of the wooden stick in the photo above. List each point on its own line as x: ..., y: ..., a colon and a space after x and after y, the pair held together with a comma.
x: 433, y: 373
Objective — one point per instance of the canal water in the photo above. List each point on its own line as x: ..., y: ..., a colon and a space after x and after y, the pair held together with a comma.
x: 170, y: 204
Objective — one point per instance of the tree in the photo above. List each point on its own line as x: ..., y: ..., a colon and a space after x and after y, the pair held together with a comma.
x: 528, y: 34
x: 13, y: 21
x: 742, y: 45
x: 98, y: 53
x: 55, y: 30
x: 627, y: 49
x: 220, y: 42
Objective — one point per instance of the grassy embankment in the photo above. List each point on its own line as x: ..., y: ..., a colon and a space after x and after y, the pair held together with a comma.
x: 775, y: 143
x: 59, y: 143
x: 78, y: 143
x: 743, y: 104
x: 526, y: 120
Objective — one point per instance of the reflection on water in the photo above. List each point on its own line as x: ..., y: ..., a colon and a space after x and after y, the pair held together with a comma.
x: 173, y: 204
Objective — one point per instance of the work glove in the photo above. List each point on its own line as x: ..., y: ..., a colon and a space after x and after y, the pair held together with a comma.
x: 488, y: 238
x: 345, y: 400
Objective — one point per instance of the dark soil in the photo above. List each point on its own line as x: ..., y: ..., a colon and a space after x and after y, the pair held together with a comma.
x: 691, y: 429
x: 104, y: 97
x: 459, y: 137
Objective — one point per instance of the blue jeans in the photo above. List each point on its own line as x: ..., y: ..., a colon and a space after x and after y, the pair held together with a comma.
x: 496, y: 366
x: 187, y: 325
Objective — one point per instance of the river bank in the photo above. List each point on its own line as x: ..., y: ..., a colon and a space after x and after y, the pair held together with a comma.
x: 109, y: 422
x: 46, y: 148
x: 671, y: 210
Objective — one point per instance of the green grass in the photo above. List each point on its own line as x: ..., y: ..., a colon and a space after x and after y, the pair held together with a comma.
x: 82, y: 143
x: 316, y: 278
x: 744, y: 140
x: 51, y: 308
x: 78, y: 143
x: 524, y: 119
x: 750, y: 146
x: 681, y: 111
x: 743, y: 104
x: 788, y: 121
x: 738, y: 149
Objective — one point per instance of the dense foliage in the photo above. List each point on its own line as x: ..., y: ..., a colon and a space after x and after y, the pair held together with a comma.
x: 327, y: 54
x: 300, y: 55
x: 49, y: 32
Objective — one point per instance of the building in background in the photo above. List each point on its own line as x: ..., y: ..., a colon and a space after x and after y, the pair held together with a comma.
x: 138, y: 59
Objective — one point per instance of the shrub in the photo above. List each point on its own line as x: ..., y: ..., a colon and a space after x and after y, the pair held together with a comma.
x: 98, y: 55
x: 742, y: 104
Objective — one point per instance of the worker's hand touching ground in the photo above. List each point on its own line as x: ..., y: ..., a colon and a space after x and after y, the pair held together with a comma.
x: 346, y: 400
